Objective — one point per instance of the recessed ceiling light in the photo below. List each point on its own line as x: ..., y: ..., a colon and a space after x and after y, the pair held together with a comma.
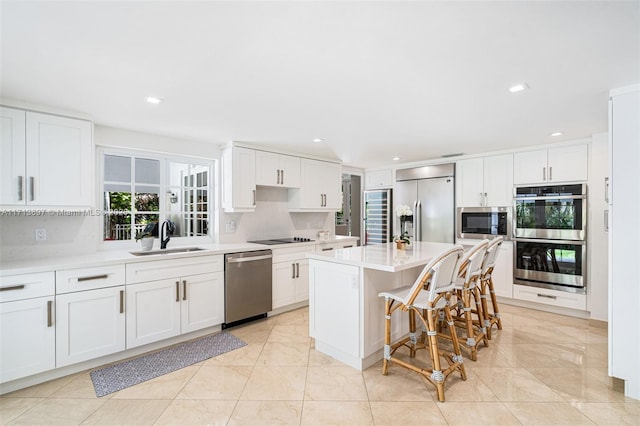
x: 518, y: 87
x: 396, y: 158
x: 557, y: 134
x: 154, y: 100
x: 316, y: 140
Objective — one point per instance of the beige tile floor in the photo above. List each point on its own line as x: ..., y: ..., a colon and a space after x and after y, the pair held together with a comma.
x: 541, y: 369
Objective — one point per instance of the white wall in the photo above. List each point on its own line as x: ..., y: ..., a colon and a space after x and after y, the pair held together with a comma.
x: 120, y: 138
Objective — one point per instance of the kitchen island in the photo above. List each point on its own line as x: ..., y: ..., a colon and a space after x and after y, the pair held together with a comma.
x: 346, y: 316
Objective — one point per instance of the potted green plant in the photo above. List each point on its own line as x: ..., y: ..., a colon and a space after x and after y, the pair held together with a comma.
x: 402, y: 241
x: 146, y: 239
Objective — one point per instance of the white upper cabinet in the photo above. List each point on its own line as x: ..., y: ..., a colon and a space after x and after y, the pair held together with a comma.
x: 239, y: 179
x: 378, y: 179
x: 485, y: 182
x: 320, y: 187
x: 47, y: 160
x: 554, y: 165
x: 277, y: 170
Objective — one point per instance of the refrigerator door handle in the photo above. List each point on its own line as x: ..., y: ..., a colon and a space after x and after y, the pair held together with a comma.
x: 418, y: 230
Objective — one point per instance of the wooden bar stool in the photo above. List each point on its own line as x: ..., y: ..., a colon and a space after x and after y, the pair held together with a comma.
x: 471, y: 320
x: 486, y: 286
x: 428, y: 295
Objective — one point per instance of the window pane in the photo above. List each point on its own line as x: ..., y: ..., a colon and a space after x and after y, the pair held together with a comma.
x: 144, y: 220
x: 147, y: 202
x: 152, y: 189
x: 147, y: 171
x: 117, y: 223
x: 117, y: 168
x: 117, y: 187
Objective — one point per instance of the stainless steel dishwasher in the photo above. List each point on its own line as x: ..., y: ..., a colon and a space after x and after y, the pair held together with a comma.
x: 247, y: 286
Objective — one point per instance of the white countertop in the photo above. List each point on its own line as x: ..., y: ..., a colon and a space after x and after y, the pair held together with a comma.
x: 384, y: 257
x: 110, y: 257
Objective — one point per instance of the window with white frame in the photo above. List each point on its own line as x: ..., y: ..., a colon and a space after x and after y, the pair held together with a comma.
x: 142, y: 190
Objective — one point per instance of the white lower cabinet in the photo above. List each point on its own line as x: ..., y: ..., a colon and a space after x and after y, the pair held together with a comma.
x: 153, y: 311
x: 557, y: 298
x: 173, y: 302
x: 202, y: 303
x: 89, y: 324
x: 27, y: 326
x: 290, y: 280
x: 90, y: 313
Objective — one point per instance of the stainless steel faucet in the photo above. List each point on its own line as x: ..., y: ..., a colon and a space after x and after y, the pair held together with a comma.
x: 166, y: 230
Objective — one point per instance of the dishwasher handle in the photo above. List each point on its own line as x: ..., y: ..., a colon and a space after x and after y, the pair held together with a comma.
x: 248, y: 258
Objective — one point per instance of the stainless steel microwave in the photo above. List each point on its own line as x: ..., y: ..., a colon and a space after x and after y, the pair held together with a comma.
x: 484, y: 222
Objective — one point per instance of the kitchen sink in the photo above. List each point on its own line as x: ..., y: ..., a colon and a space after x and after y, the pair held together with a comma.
x: 166, y: 251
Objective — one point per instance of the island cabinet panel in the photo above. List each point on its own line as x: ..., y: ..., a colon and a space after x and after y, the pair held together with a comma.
x: 376, y: 282
x: 336, y: 317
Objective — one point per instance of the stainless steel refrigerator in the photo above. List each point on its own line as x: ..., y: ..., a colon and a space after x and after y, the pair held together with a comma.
x: 378, y: 217
x: 430, y: 194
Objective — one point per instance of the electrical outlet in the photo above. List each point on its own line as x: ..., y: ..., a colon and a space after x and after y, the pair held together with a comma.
x: 41, y: 234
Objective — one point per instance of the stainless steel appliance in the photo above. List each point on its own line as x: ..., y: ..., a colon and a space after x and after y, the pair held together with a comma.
x: 551, y: 212
x: 484, y: 222
x: 378, y: 224
x: 430, y: 192
x: 247, y: 286
x: 554, y: 264
x: 550, y: 247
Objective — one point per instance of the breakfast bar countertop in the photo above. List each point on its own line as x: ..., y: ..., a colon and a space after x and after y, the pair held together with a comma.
x: 384, y: 257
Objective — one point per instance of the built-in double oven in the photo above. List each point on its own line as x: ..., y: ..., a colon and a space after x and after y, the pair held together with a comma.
x: 549, y: 229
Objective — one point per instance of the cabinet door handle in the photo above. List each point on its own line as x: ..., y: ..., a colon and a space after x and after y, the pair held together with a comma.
x: 254, y: 197
x: 122, y: 301
x: 550, y: 173
x: 93, y: 277
x: 177, y: 291
x: 293, y: 270
x: 321, y: 200
x: 548, y: 296
x: 544, y: 174
x: 277, y: 177
x: 13, y: 287
x: 606, y: 189
x: 349, y: 246
x: 297, y: 270
x: 184, y: 289
x: 327, y: 249
x: 20, y: 188
x: 282, y: 177
x: 606, y: 221
x: 32, y: 185
x: 50, y: 313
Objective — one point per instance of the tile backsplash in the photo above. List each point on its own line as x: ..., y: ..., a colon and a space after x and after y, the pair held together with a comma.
x: 66, y: 235
x: 75, y: 235
x: 272, y: 219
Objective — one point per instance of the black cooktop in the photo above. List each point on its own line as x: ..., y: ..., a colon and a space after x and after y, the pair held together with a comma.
x: 282, y: 241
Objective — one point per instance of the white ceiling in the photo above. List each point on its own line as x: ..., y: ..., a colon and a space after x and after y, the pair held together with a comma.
x: 374, y: 79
